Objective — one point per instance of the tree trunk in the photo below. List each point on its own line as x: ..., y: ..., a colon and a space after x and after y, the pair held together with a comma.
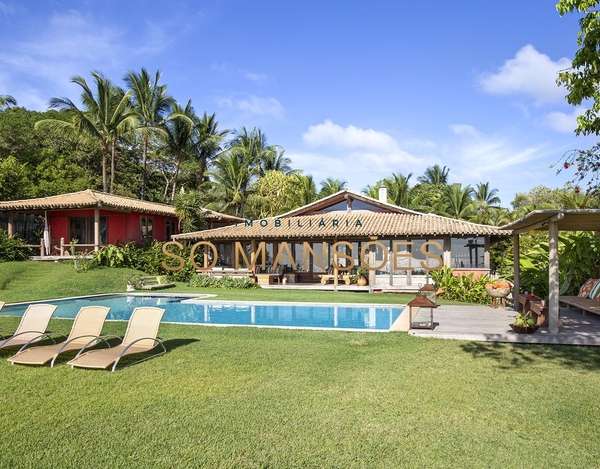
x: 112, y: 167
x: 104, y: 160
x: 144, y: 158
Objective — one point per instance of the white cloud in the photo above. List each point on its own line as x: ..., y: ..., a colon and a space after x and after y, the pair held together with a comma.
x: 257, y: 78
x: 464, y: 129
x: 528, y: 73
x: 359, y: 156
x: 561, y: 122
x: 7, y: 9
x: 72, y: 44
x: 254, y: 105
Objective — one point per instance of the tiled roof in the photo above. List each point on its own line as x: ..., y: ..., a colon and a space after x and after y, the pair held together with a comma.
x: 92, y: 199
x: 342, y: 225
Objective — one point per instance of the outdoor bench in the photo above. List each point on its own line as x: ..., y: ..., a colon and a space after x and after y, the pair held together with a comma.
x: 153, y: 282
x: 585, y: 304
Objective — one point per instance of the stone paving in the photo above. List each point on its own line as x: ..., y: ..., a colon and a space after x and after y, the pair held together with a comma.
x: 483, y: 323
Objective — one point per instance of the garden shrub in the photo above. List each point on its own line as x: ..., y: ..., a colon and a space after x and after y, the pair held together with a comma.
x: 11, y: 248
x: 205, y: 281
x: 465, y: 288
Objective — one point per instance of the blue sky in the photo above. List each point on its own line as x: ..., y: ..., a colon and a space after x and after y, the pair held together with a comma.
x: 351, y: 90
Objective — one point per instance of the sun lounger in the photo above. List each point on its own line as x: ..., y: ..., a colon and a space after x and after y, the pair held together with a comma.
x: 84, y: 333
x: 140, y: 337
x: 32, y: 327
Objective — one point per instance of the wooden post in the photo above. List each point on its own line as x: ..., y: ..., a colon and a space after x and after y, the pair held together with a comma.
x: 516, y: 271
x: 553, y: 284
x: 11, y: 221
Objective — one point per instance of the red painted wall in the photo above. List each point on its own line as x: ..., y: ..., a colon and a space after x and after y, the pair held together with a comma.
x: 122, y: 227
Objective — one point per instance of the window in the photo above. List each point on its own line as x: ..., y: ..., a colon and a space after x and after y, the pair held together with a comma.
x: 146, y: 229
x: 82, y: 229
x: 169, y: 229
x: 468, y: 253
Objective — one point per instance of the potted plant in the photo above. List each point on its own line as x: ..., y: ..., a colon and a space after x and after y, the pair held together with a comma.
x: 525, y: 323
x: 498, y: 289
x: 133, y: 282
x: 362, y: 276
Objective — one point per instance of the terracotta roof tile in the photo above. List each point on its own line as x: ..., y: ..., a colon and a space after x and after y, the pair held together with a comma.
x: 91, y: 199
x: 333, y: 225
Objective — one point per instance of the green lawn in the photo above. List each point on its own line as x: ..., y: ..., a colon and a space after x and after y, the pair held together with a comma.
x: 238, y: 397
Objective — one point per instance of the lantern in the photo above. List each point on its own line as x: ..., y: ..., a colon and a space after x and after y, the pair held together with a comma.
x: 420, y: 311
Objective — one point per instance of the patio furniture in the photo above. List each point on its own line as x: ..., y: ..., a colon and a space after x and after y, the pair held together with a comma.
x: 32, y: 326
x: 154, y: 282
x: 84, y: 333
x: 140, y: 337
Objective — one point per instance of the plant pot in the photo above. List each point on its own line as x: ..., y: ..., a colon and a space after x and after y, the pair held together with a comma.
x: 362, y: 281
x: 497, y: 292
x: 524, y: 329
x: 130, y: 287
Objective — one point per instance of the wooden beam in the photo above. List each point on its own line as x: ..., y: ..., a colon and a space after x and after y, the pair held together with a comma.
x: 553, y: 284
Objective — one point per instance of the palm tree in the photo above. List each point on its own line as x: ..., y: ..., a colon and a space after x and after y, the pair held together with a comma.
x: 232, y: 179
x: 276, y: 161
x: 305, y: 191
x: 208, y: 144
x: 253, y: 148
x: 188, y: 210
x: 105, y: 117
x: 153, y: 107
x: 398, y: 189
x: 330, y: 186
x: 458, y: 201
x: 435, y: 175
x: 484, y: 195
x: 7, y: 101
x: 179, y: 141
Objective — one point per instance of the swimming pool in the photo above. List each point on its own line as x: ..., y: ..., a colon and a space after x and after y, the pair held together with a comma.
x: 195, y: 310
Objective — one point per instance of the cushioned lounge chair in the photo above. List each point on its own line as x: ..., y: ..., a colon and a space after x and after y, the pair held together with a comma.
x: 84, y: 333
x: 140, y: 337
x: 32, y: 327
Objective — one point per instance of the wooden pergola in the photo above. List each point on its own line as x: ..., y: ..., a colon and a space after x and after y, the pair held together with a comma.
x: 553, y: 221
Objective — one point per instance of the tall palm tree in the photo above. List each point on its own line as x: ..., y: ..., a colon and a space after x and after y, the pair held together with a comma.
x: 458, y: 201
x: 483, y: 194
x: 435, y: 175
x: 277, y: 161
x: 7, y: 101
x: 208, y: 144
x: 330, y: 186
x: 253, y: 148
x: 398, y: 189
x: 305, y: 191
x: 232, y: 183
x: 153, y: 106
x: 105, y: 116
x: 179, y: 141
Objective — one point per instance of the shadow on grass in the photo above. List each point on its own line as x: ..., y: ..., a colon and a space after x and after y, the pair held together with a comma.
x: 525, y: 355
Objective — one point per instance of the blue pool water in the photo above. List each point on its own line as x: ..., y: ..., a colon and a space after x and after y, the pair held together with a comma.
x: 186, y: 309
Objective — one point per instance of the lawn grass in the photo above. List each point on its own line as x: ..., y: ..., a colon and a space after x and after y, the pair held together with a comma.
x: 240, y: 397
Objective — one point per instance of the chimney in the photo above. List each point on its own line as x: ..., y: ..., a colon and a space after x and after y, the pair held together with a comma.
x: 383, y: 194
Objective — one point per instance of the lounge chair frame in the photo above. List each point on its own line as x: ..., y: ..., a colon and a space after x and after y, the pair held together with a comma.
x: 44, y: 319
x: 127, y: 345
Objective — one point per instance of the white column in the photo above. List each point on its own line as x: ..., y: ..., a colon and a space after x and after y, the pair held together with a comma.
x: 96, y: 229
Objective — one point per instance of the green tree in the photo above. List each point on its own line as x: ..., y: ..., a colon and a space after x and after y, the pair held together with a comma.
x: 105, y: 116
x: 153, y: 107
x: 435, y: 175
x: 582, y: 79
x: 399, y: 191
x: 274, y: 194
x: 7, y: 101
x: 330, y: 186
x: 15, y: 181
x: 188, y: 207
x: 458, y: 201
x: 232, y: 183
x: 304, y: 190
